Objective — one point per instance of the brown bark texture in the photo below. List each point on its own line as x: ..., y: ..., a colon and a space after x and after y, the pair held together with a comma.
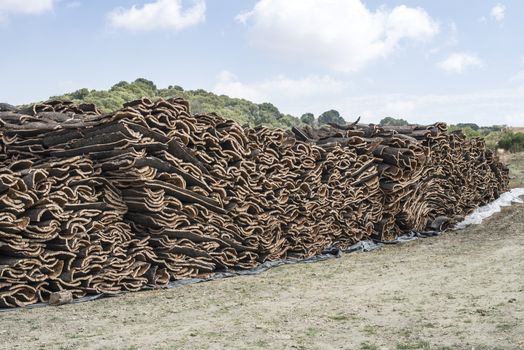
x: 103, y: 203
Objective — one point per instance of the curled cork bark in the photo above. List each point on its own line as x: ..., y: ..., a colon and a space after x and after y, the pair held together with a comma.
x: 101, y: 203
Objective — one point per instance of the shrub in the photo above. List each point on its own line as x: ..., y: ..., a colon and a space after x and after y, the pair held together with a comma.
x: 513, y: 142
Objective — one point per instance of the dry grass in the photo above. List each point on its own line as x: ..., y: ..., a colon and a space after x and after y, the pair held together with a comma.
x: 515, y: 162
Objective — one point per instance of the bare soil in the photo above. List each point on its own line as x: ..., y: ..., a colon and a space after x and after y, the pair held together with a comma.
x: 461, y: 290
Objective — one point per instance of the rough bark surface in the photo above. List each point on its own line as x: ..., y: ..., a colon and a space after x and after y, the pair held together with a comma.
x: 100, y: 203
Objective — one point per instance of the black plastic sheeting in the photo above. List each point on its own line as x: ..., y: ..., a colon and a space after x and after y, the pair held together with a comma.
x: 329, y: 253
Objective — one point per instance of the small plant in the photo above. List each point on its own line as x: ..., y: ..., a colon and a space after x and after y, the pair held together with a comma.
x: 339, y: 317
x: 368, y: 346
x: 420, y: 344
x: 504, y: 327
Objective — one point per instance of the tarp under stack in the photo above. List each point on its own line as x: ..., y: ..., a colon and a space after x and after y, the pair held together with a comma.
x: 94, y: 203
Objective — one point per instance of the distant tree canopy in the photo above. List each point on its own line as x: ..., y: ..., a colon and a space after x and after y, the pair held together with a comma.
x: 512, y: 141
x: 253, y: 114
x: 491, y: 134
x: 393, y: 121
x: 467, y: 131
x: 472, y: 126
x: 307, y: 118
x: 331, y: 116
x: 201, y: 101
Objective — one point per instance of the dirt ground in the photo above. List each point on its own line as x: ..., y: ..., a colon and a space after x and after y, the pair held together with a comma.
x: 462, y: 290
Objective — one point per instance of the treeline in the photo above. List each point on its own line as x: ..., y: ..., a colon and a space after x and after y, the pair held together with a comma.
x: 512, y: 141
x: 201, y: 101
x: 240, y: 110
x: 496, y: 136
x: 255, y: 114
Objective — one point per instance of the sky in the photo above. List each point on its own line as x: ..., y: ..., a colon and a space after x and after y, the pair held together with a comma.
x: 424, y: 61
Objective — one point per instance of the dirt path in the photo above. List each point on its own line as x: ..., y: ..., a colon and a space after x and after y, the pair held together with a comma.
x: 462, y: 290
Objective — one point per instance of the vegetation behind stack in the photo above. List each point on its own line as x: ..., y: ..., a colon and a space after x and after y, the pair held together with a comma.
x: 202, y: 101
x: 266, y: 114
x: 512, y: 141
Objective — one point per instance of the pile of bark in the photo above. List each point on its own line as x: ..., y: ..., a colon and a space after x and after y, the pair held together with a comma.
x: 429, y: 178
x: 100, y: 203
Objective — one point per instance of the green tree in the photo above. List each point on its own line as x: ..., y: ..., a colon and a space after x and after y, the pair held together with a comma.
x: 148, y: 84
x: 80, y: 94
x: 120, y: 84
x: 267, y: 113
x: 389, y: 121
x: 331, y: 116
x: 201, y: 101
x: 307, y: 118
x: 512, y: 141
x: 470, y: 132
x: 472, y: 126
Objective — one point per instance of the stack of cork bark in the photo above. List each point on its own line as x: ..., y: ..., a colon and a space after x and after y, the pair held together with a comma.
x: 101, y: 203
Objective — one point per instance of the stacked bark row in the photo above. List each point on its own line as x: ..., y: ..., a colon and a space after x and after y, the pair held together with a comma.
x: 429, y: 178
x: 102, y: 203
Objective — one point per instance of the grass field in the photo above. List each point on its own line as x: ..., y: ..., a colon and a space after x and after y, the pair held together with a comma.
x: 462, y: 290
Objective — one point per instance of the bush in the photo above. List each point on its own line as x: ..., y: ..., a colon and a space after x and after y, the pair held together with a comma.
x: 389, y: 121
x: 201, y: 101
x: 331, y: 116
x: 468, y: 125
x: 307, y: 118
x: 513, y: 142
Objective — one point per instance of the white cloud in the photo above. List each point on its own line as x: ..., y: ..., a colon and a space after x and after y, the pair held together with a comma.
x: 452, y: 39
x: 498, y: 12
x: 160, y: 14
x: 278, y: 89
x: 459, y: 62
x: 25, y: 7
x: 342, y: 34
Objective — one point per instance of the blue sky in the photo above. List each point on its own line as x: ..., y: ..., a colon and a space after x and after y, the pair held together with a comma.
x: 455, y: 61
